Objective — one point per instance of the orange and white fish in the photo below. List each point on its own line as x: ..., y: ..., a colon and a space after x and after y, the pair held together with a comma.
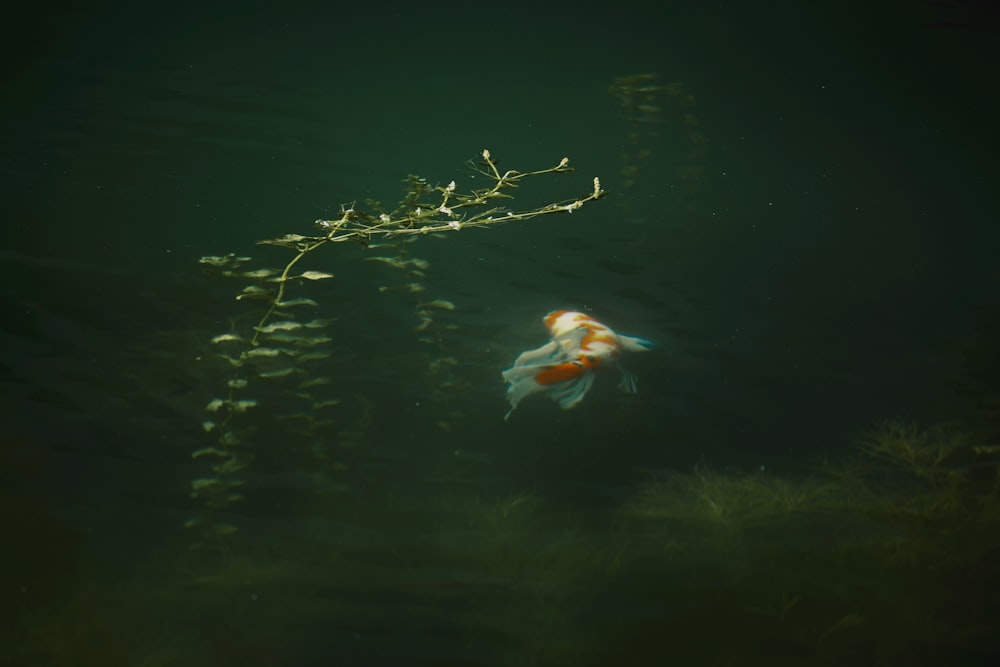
x: 565, y: 367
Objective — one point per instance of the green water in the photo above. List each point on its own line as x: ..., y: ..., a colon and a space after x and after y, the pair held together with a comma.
x: 800, y: 215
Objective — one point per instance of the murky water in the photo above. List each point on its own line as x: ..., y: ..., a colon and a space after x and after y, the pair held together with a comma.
x: 797, y: 215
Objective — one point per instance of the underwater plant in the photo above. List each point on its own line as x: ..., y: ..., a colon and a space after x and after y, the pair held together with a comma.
x: 282, y: 346
x: 925, y: 454
x: 845, y: 560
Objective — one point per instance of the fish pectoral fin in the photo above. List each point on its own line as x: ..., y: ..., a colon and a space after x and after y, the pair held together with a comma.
x: 629, y: 382
x: 636, y: 344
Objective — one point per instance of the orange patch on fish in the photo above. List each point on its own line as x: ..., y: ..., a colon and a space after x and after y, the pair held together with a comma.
x: 559, y: 373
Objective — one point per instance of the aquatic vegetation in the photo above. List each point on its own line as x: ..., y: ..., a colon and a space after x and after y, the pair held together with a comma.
x: 839, y: 564
x: 924, y: 454
x: 846, y: 560
x: 277, y: 357
x: 725, y: 498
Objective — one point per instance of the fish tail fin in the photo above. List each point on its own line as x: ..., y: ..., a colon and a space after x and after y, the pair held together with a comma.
x: 566, y: 382
x: 520, y: 384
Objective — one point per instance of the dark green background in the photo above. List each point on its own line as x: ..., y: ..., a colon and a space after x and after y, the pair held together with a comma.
x: 834, y: 265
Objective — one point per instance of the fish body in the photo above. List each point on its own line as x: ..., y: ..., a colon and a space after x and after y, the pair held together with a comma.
x: 565, y: 367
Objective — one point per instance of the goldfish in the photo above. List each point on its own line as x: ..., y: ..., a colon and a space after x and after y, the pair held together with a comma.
x: 565, y: 367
